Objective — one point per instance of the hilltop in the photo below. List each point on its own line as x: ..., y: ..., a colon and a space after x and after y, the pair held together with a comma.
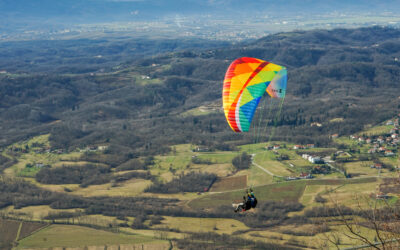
x: 338, y: 75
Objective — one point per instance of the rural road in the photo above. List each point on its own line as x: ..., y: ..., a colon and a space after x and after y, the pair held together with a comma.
x: 328, y: 162
x: 263, y: 169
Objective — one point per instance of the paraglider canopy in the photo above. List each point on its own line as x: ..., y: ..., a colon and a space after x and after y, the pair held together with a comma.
x: 246, y: 81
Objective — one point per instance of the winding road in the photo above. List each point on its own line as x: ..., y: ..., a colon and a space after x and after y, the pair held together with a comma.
x: 263, y: 169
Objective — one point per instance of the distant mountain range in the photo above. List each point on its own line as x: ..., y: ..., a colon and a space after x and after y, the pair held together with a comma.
x: 77, y: 11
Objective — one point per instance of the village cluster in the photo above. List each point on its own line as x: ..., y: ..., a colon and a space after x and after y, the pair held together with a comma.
x: 383, y: 144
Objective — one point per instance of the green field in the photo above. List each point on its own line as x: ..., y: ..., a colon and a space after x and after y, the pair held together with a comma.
x: 285, y: 191
x: 377, y: 130
x: 183, y: 159
x: 32, y: 157
x: 77, y: 236
x: 257, y: 177
x: 310, y: 192
x: 188, y: 224
x: 218, y: 157
x: 288, y: 191
x: 268, y: 161
x: 12, y: 230
x: 342, y: 181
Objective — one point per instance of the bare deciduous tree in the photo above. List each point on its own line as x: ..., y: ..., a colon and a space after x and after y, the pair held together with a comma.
x: 373, y: 224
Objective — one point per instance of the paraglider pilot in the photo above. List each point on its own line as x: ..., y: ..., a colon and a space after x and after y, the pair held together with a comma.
x: 248, y: 203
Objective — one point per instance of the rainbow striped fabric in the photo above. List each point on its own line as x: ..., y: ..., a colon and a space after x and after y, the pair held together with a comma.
x: 246, y: 81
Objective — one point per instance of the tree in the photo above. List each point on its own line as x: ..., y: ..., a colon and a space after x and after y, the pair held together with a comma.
x: 242, y: 161
x: 377, y: 215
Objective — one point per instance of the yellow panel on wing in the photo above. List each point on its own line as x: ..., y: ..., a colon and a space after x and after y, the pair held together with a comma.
x: 256, y: 80
x: 232, y: 96
x: 238, y: 81
x: 266, y: 76
x: 273, y: 67
x: 246, y: 97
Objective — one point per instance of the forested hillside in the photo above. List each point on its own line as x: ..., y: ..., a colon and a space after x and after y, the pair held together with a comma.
x: 142, y: 106
x: 124, y: 141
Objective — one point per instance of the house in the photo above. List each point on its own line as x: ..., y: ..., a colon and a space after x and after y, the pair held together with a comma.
x: 310, y: 145
x: 39, y: 165
x: 56, y: 151
x: 305, y: 156
x: 361, y: 139
x: 315, y: 159
x: 372, y: 151
x: 297, y: 147
x: 305, y: 176
x: 390, y: 122
x: 381, y: 196
x: 377, y: 166
x: 394, y: 136
x: 381, y: 149
x: 291, y: 178
x: 201, y: 149
x: 334, y: 136
x: 316, y: 124
x: 368, y: 140
x: 102, y: 148
x: 389, y: 153
x: 380, y: 139
x: 276, y: 147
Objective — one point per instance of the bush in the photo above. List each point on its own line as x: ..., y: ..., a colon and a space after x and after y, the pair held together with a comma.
x: 138, y: 223
x: 133, y: 164
x: 320, y: 199
x: 88, y: 174
x: 242, y: 161
x: 191, y: 182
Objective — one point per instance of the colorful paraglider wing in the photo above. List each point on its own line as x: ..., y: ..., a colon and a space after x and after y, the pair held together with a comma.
x: 245, y: 82
x: 277, y: 87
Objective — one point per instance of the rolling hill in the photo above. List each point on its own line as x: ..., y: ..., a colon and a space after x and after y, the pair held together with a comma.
x: 138, y: 146
x: 332, y: 74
